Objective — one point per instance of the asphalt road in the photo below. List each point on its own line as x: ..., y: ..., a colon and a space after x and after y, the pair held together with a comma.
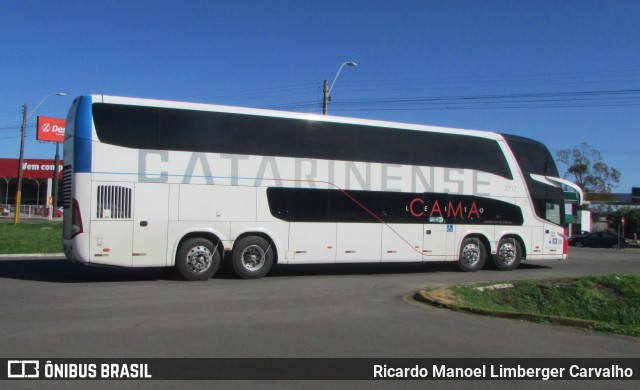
x: 51, y: 308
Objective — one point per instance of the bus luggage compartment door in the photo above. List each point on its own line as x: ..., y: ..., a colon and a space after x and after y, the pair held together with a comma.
x: 150, y: 223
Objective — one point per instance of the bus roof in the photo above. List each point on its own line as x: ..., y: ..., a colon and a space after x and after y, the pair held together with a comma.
x: 109, y: 99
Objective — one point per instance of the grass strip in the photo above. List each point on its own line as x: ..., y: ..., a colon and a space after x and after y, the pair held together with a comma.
x: 609, y: 303
x: 30, y: 237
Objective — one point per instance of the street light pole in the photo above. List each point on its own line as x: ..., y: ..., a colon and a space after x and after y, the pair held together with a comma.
x: 38, y: 193
x: 23, y: 131
x: 327, y: 90
x: 16, y: 216
x: 56, y: 177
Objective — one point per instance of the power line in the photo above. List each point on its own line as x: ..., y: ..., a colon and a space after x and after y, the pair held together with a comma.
x: 583, y: 78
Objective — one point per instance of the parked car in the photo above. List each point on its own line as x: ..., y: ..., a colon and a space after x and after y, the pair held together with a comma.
x: 579, y: 233
x: 58, y: 211
x: 598, y: 240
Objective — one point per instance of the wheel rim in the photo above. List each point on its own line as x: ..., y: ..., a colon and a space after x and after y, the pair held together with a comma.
x: 253, y: 258
x: 507, y: 254
x: 470, y: 255
x: 199, y: 259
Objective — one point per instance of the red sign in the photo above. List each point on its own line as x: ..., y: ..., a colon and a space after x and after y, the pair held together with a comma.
x: 32, y: 168
x: 51, y: 129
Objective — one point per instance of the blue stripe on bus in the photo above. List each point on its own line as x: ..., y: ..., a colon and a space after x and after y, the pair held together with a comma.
x: 83, y: 134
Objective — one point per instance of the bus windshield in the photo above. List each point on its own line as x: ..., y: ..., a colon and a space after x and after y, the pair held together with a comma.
x: 535, y: 159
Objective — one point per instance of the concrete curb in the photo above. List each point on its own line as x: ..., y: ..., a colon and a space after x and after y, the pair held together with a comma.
x: 427, y: 296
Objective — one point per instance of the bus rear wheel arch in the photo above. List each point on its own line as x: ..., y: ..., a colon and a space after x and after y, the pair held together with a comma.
x: 508, y: 254
x: 198, y: 258
x: 473, y: 254
x: 252, y: 257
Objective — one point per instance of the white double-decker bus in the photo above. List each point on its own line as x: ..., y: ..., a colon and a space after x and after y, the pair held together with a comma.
x: 151, y: 183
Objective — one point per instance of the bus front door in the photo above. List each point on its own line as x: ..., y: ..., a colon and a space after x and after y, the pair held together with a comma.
x: 435, y: 229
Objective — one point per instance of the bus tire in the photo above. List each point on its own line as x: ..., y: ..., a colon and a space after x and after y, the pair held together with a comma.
x: 198, y: 259
x: 509, y: 254
x: 472, y: 255
x: 252, y: 257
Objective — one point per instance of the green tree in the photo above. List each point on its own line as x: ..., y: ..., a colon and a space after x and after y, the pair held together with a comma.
x: 586, y: 168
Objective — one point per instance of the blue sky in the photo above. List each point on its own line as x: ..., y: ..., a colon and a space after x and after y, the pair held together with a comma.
x: 562, y: 72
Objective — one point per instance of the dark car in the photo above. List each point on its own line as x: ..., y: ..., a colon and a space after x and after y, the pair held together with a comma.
x: 598, y: 240
x: 579, y: 233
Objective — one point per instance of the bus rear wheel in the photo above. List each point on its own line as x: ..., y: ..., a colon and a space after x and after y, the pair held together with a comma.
x: 508, y: 255
x: 472, y: 255
x: 198, y: 259
x: 252, y: 257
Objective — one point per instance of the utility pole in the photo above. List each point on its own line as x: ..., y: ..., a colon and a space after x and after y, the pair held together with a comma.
x: 16, y: 218
x: 23, y: 130
x: 325, y: 100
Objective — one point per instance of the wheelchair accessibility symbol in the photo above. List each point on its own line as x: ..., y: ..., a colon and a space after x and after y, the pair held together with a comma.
x: 449, y: 228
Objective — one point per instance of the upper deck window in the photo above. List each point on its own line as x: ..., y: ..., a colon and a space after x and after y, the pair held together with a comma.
x: 216, y: 132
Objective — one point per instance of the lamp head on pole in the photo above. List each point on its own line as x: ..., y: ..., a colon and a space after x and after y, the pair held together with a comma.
x: 42, y: 101
x: 349, y: 63
x: 327, y: 89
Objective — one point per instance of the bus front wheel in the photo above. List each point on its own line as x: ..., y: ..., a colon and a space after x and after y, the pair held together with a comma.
x: 198, y: 259
x: 252, y: 257
x: 472, y: 255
